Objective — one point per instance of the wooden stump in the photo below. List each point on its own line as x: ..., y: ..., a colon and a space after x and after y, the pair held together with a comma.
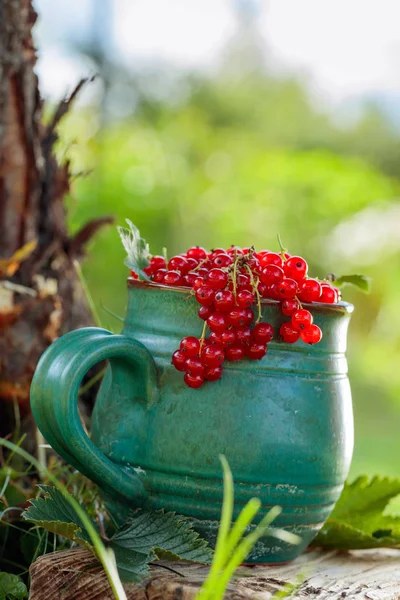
x: 363, y: 575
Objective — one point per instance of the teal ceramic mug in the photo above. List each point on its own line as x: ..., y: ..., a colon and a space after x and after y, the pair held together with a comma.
x: 284, y: 423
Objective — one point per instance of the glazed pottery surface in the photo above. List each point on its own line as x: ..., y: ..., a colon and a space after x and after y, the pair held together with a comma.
x: 284, y: 423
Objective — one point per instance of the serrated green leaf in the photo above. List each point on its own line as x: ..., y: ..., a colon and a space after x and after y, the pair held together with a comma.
x: 54, y: 513
x: 358, y: 520
x: 137, y: 250
x: 360, y: 281
x: 157, y: 535
x: 11, y: 587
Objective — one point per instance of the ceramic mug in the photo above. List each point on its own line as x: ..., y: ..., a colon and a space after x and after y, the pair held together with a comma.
x: 284, y: 423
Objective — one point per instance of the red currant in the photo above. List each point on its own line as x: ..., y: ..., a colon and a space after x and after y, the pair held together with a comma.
x: 234, y: 353
x: 239, y: 317
x: 271, y: 274
x: 213, y: 355
x: 197, y: 252
x: 159, y: 275
x: 287, y: 289
x: 224, y: 300
x: 213, y: 373
x: 194, y: 366
x: 302, y: 319
x: 157, y: 262
x: 202, y: 272
x: 234, y: 251
x: 255, y: 350
x: 217, y: 322
x: 262, y: 289
x: 309, y: 290
x: 198, y: 283
x: 243, y: 334
x: 263, y: 333
x: 222, y: 260
x: 296, y: 268
x: 205, y: 311
x: 270, y: 258
x: 244, y: 298
x: 190, y: 278
x: 243, y: 282
x: 329, y: 294
x: 190, y: 346
x: 216, y: 279
x: 289, y: 307
x: 173, y: 278
x: 134, y: 275
x: 193, y: 381
x: 228, y: 337
x: 205, y: 295
x: 311, y: 335
x: 214, y: 338
x: 179, y: 360
x: 289, y: 334
x: 177, y: 263
x: 216, y: 251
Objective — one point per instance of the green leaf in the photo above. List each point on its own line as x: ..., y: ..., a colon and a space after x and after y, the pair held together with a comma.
x: 358, y: 520
x: 156, y: 535
x: 360, y: 281
x: 11, y: 587
x: 54, y: 513
x: 137, y: 249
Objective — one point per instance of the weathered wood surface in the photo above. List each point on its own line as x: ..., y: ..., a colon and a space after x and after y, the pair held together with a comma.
x: 363, y: 575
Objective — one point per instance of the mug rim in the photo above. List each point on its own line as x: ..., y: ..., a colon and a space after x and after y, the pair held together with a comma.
x: 339, y: 307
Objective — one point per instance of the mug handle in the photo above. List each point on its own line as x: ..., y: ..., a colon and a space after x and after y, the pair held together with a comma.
x: 54, y: 395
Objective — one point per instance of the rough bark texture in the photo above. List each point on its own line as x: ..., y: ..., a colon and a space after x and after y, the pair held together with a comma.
x: 362, y: 575
x: 40, y: 295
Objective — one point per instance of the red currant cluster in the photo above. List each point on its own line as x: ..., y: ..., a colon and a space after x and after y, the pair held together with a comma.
x: 226, y: 284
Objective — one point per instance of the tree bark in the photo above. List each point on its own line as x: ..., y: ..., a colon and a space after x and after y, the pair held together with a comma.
x: 40, y: 294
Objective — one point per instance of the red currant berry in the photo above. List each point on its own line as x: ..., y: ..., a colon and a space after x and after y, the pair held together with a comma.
x: 213, y: 373
x: 270, y: 258
x: 216, y: 251
x: 148, y: 270
x: 191, y: 264
x: 309, y: 290
x: 244, y: 299
x: 296, y: 268
x: 273, y: 291
x: 216, y: 279
x: 213, y: 355
x: 159, y: 275
x: 263, y: 333
x: 271, y: 274
x: 177, y: 263
x: 255, y: 350
x: 234, y: 353
x: 289, y: 334
x: 262, y: 290
x: 234, y: 251
x: 202, y: 272
x: 222, y: 260
x: 205, y: 295
x: 289, y: 307
x: 134, y: 275
x: 228, y: 337
x: 198, y: 283
x: 329, y: 294
x: 197, y: 252
x: 243, y: 282
x: 190, y: 346
x: 157, y: 262
x: 217, y: 322
x: 302, y: 319
x: 214, y: 338
x: 287, y: 289
x: 193, y: 381
x: 190, y: 278
x: 179, y: 360
x: 194, y: 366
x: 311, y: 335
x: 205, y: 311
x: 173, y: 278
x: 238, y: 317
x: 243, y: 334
x: 224, y: 300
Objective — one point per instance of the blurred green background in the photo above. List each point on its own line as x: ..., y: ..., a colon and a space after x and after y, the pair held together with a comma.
x: 234, y: 155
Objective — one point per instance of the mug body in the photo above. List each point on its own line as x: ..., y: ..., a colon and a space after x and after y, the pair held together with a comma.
x: 284, y: 423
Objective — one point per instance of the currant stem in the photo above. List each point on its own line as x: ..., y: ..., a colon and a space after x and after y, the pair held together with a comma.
x: 235, y: 263
x: 203, y: 336
x: 254, y: 285
x: 300, y: 304
x: 282, y: 249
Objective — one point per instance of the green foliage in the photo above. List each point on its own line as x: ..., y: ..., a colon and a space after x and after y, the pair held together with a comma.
x: 11, y: 587
x: 137, y: 249
x: 359, y: 281
x: 143, y: 538
x: 359, y: 519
